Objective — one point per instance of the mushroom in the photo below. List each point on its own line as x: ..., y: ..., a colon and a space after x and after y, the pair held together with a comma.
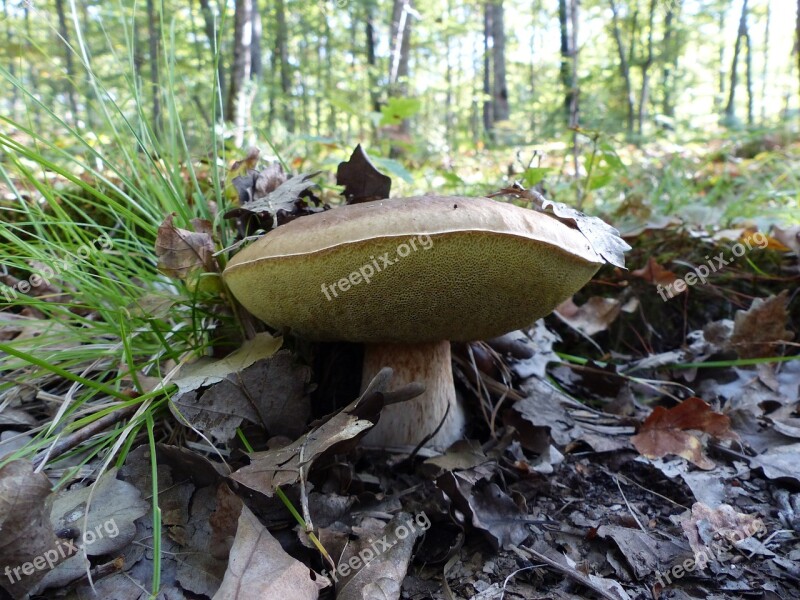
x: 406, y: 276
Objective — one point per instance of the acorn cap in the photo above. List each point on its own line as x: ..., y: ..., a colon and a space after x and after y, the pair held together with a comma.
x: 419, y: 269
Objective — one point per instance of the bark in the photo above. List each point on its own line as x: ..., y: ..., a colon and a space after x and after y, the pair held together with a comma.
x: 282, y: 53
x: 648, y: 62
x: 499, y: 90
x: 237, y: 110
x: 730, y: 109
x: 12, y: 68
x: 400, y: 40
x: 669, y: 50
x: 624, y: 68
x: 765, y: 69
x: 574, y: 110
x: 372, y: 75
x: 154, y: 34
x: 749, y: 73
x: 797, y: 37
x: 211, y: 33
x: 63, y: 32
x: 488, y: 107
x: 566, y: 54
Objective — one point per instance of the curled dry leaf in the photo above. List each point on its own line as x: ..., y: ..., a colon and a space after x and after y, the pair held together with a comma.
x: 185, y: 254
x: 602, y: 237
x: 666, y: 431
x: 654, y: 273
x: 258, y: 567
x: 28, y: 534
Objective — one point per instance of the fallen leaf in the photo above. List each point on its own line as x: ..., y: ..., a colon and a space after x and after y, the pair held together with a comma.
x: 712, y: 532
x: 654, y: 273
x: 271, y: 393
x: 374, y: 568
x: 361, y: 180
x: 594, y: 316
x: 258, y: 567
x: 28, y: 534
x: 665, y: 431
x: 779, y: 463
x: 185, y: 254
x: 758, y: 331
x: 281, y: 466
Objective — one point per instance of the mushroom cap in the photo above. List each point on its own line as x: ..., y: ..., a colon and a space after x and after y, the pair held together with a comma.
x: 421, y: 269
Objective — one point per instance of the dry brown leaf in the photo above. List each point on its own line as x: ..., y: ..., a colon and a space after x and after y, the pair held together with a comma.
x: 712, y: 531
x: 28, y: 539
x: 259, y: 567
x: 666, y: 431
x: 184, y: 254
x: 757, y: 330
x: 592, y: 317
x: 654, y: 273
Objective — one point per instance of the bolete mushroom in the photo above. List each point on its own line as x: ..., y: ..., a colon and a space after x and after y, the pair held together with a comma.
x: 406, y: 276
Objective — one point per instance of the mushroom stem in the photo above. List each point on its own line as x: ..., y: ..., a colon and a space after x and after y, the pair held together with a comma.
x: 408, y: 423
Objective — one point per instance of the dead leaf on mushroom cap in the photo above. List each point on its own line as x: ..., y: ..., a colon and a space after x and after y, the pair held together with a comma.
x: 602, y: 237
x: 666, y: 431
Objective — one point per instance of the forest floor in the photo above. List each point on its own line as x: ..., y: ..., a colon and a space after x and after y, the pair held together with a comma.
x: 642, y: 442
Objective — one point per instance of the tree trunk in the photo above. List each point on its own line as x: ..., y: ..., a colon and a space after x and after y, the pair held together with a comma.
x: 765, y: 68
x: 282, y: 53
x: 372, y: 68
x: 63, y: 31
x: 669, y: 50
x: 501, y: 111
x: 624, y: 68
x: 730, y: 109
x: 797, y: 37
x: 566, y: 53
x: 648, y: 62
x: 574, y: 109
x: 238, y: 109
x: 488, y: 106
x: 400, y: 40
x: 216, y: 57
x: 154, y: 34
x: 749, y: 74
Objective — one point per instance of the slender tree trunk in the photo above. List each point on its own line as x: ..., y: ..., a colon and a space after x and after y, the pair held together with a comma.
x: 372, y: 66
x: 64, y: 33
x: 400, y: 40
x: 488, y: 106
x: 282, y: 52
x: 765, y: 68
x: 624, y: 68
x: 238, y: 109
x: 749, y: 74
x: 648, y: 62
x: 566, y: 53
x: 722, y: 74
x: 797, y: 37
x: 499, y: 90
x: 154, y: 34
x: 730, y: 109
x: 574, y: 104
x: 668, y: 43
x: 213, y: 40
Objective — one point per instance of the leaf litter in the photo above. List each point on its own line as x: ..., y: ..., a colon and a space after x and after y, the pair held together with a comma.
x: 674, y: 445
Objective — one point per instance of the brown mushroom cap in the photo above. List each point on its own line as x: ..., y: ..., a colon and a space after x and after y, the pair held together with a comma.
x: 458, y: 269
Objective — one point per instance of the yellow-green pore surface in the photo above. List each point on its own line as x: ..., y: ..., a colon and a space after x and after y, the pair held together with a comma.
x: 418, y: 269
